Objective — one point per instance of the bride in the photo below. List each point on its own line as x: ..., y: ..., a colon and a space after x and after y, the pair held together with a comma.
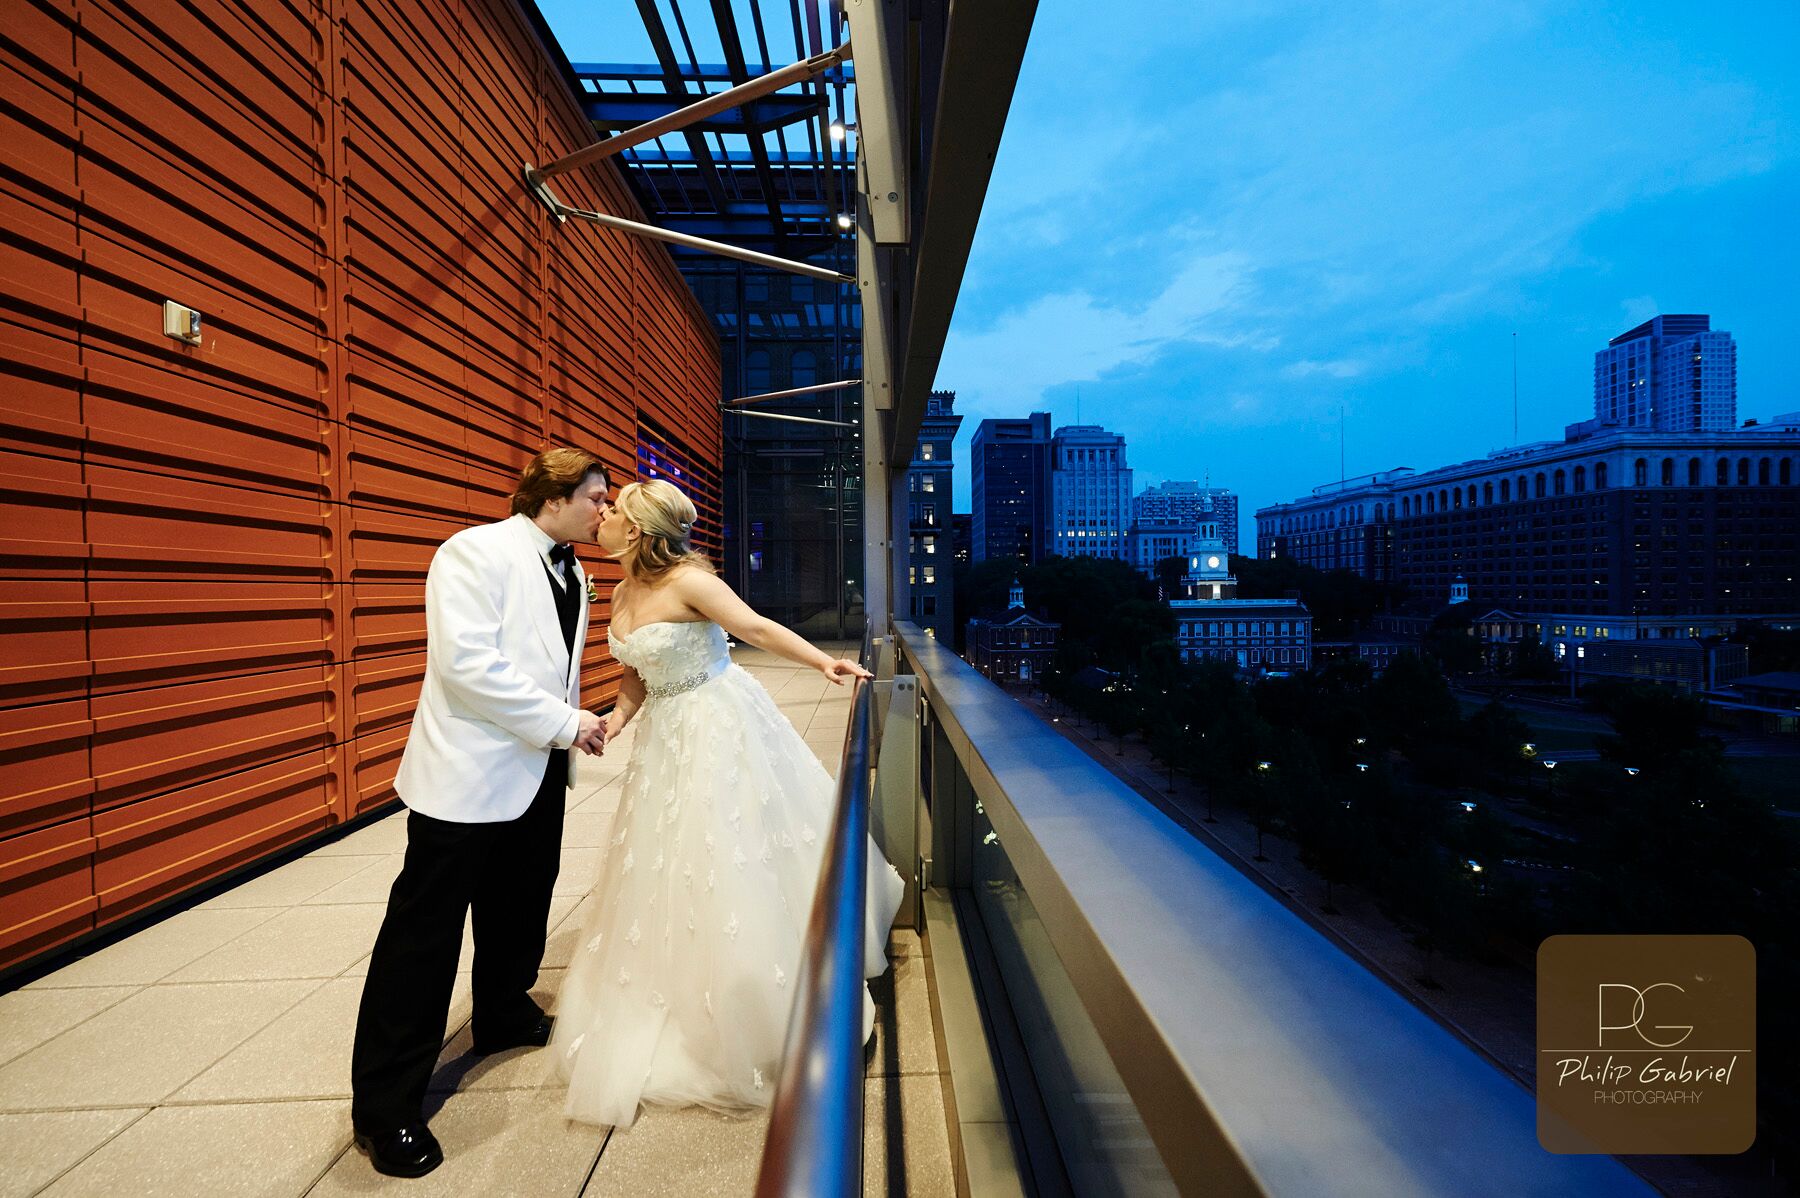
x: 684, y: 975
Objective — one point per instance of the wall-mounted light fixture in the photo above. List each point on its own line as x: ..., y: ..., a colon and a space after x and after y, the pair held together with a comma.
x: 181, y: 322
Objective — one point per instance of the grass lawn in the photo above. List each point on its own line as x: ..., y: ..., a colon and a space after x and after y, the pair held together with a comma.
x: 1772, y: 779
x: 1551, y: 732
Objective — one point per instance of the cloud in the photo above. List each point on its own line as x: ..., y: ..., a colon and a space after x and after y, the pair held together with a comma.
x: 1072, y: 336
x: 1342, y: 368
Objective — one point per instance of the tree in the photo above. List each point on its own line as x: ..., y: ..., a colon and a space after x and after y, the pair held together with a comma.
x: 1495, y: 737
x: 1168, y: 572
x: 1652, y: 725
x: 1451, y: 640
x: 1532, y: 661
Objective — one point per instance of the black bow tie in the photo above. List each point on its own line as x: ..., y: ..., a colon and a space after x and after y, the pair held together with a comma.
x: 564, y: 556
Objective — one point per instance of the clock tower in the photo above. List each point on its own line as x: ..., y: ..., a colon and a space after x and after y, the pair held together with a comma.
x: 1208, y: 573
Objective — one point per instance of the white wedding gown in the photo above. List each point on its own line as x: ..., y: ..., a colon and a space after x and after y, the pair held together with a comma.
x: 682, y: 981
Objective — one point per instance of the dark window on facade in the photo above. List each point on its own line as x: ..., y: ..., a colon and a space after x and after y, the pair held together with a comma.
x: 756, y: 365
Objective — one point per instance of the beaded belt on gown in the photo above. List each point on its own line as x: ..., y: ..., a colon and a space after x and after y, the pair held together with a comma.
x: 682, y: 685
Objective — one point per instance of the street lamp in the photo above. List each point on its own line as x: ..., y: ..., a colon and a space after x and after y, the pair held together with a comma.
x: 1468, y: 806
x: 1631, y: 770
x: 1262, y: 806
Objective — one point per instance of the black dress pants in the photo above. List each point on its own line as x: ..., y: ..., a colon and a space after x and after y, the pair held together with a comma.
x: 505, y: 872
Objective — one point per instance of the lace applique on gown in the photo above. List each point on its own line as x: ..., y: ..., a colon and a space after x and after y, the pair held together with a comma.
x: 683, y: 976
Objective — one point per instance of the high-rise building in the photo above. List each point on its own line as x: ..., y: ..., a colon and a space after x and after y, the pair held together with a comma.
x: 1009, y: 475
x: 1167, y: 517
x: 1090, y: 507
x: 1184, y: 502
x: 929, y: 537
x: 1674, y: 373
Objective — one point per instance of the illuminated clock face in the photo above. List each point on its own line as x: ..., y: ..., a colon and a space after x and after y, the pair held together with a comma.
x: 1212, y: 563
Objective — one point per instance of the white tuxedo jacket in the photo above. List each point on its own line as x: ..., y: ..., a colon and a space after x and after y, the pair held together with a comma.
x: 500, y: 689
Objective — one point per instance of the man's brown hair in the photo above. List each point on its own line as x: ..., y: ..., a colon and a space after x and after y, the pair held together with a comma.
x: 553, y: 474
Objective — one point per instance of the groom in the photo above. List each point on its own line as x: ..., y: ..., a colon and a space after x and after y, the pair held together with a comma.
x: 484, y: 774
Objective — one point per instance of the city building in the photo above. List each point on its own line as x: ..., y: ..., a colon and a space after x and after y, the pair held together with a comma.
x: 959, y: 537
x: 1689, y: 665
x: 1014, y: 647
x: 1657, y: 530
x: 1090, y: 508
x: 1255, y: 635
x: 930, y: 541
x: 1673, y: 373
x: 1168, y: 519
x: 1009, y: 483
x: 1767, y: 703
x: 1182, y: 503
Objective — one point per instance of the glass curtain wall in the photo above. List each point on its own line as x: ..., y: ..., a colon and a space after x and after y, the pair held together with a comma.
x: 793, y: 492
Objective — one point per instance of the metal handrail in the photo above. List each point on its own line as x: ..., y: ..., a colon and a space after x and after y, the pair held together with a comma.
x: 814, y: 1142
x: 1260, y: 1057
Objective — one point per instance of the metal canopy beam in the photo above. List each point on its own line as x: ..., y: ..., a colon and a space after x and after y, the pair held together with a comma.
x: 881, y: 115
x: 618, y: 111
x: 707, y: 72
x: 984, y: 47
x: 540, y: 190
x: 674, y: 84
x: 740, y: 77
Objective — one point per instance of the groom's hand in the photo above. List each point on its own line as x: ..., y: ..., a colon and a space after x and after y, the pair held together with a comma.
x: 590, y: 734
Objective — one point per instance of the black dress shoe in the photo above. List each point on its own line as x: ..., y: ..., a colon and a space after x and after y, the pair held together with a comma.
x: 409, y: 1151
x: 532, y: 1035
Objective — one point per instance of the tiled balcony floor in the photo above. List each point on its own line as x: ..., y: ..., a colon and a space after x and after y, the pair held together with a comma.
x: 209, y: 1053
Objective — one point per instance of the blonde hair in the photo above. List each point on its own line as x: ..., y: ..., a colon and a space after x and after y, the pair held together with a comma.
x: 665, y: 521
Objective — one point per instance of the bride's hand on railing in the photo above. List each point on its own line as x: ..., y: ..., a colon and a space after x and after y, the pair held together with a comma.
x: 840, y: 670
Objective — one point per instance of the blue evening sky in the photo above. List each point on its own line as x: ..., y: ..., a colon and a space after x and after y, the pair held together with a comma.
x: 1221, y: 223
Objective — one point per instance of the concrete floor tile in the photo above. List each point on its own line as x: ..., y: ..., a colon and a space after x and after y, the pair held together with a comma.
x: 495, y: 1142
x: 386, y: 835
x: 904, y: 1042
x: 566, y: 933
x: 29, y: 1018
x: 38, y: 1146
x: 904, y: 942
x: 246, y: 1150
x: 143, y: 1049
x: 294, y: 882
x: 681, y: 1153
x: 154, y: 952
x: 305, y: 1053
x: 604, y: 801
x: 909, y: 1110
x: 580, y: 867
x: 586, y: 829
x: 519, y: 1069
x: 370, y: 884
x: 301, y: 942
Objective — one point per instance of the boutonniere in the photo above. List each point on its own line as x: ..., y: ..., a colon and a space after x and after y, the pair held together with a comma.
x: 593, y: 592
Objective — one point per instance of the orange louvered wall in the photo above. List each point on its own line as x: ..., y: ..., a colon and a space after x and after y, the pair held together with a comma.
x: 212, y: 557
